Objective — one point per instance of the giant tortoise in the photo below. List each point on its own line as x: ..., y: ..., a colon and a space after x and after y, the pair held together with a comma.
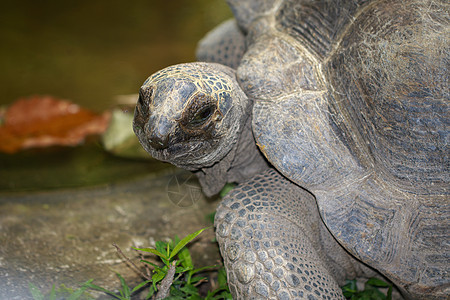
x: 332, y: 117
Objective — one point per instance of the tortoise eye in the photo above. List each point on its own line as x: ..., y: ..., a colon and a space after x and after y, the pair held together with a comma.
x: 202, y: 115
x: 144, y: 100
x: 199, y: 112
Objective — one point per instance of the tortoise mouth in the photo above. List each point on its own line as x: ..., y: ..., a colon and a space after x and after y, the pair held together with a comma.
x: 187, y: 154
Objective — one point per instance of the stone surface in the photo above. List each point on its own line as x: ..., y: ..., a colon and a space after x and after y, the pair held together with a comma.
x: 66, y: 236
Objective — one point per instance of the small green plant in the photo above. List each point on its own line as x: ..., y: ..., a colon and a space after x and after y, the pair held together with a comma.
x: 226, y: 189
x: 177, y: 278
x: 371, y: 290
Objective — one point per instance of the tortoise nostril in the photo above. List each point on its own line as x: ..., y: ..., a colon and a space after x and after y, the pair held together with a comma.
x: 159, y: 142
x: 158, y: 131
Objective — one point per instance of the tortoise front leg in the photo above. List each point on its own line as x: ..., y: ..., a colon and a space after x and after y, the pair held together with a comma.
x: 269, y: 233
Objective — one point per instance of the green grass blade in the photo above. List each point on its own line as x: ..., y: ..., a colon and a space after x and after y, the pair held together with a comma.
x: 210, y: 217
x: 222, y: 278
x: 99, y: 288
x: 161, y: 246
x: 185, y: 257
x: 220, y: 293
x: 226, y: 189
x: 125, y: 288
x: 150, y: 263
x: 158, y: 275
x: 35, y: 292
x: 168, y: 248
x: 79, y: 292
x: 349, y: 289
x: 211, y: 294
x: 182, y: 270
x: 151, y: 292
x: 189, y: 289
x: 154, y: 251
x: 52, y: 295
x: 389, y: 293
x: 204, y: 268
x: 139, y: 286
x: 377, y: 282
x: 185, y: 241
x: 196, y: 279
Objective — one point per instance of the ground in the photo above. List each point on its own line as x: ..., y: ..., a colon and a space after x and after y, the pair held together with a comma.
x: 66, y: 236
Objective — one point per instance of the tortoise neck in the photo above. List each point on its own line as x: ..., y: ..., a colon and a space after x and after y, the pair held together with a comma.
x: 240, y: 164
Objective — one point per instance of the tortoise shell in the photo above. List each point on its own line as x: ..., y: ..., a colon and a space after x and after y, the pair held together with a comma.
x: 351, y: 102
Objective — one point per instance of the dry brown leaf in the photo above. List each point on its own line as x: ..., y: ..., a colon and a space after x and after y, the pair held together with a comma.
x: 42, y: 121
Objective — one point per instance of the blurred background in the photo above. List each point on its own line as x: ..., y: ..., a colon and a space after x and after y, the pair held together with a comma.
x: 88, y: 52
x: 61, y: 207
x: 91, y: 51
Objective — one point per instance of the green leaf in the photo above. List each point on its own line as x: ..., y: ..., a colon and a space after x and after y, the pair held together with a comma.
x: 175, y: 241
x: 182, y: 270
x: 52, y: 295
x: 210, y: 217
x: 350, y: 285
x: 226, y: 189
x: 185, y: 241
x: 176, y: 297
x: 125, y: 292
x: 197, y: 279
x: 176, y: 293
x: 377, y: 282
x: 99, y: 288
x: 139, y: 286
x: 35, y: 292
x: 222, y: 277
x: 79, y: 292
x: 185, y: 257
x: 389, y: 293
x: 226, y: 295
x: 364, y: 297
x: 150, y: 263
x: 178, y: 263
x: 204, y: 268
x: 151, y: 292
x: 151, y: 250
x: 168, y: 248
x: 349, y: 288
x: 159, y: 275
x: 189, y: 289
x: 220, y: 293
x: 348, y: 294
x: 161, y: 246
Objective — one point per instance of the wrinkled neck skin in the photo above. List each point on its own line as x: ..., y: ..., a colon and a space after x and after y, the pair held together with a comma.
x: 240, y: 164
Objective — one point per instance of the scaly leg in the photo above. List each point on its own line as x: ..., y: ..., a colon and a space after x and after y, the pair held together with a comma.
x: 271, y: 238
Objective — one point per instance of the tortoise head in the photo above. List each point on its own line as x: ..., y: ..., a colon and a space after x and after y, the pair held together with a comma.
x: 190, y: 114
